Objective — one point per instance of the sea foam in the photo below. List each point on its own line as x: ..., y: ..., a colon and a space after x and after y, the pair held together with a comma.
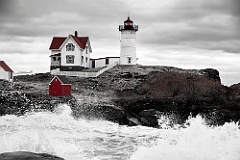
x: 61, y: 134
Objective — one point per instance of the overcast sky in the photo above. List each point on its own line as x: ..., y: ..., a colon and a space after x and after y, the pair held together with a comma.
x: 190, y: 34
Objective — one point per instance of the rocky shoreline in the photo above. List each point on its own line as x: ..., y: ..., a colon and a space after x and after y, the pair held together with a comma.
x: 130, y: 95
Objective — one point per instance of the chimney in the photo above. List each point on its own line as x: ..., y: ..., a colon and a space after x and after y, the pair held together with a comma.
x: 76, y: 34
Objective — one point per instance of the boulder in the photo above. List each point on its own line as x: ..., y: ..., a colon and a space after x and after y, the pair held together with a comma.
x: 150, y: 113
x: 211, y: 73
x: 23, y: 155
x: 133, y: 121
x: 149, y: 121
x: 127, y: 75
x: 149, y: 117
x: 108, y: 112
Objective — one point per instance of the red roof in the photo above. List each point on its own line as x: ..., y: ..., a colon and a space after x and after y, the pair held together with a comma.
x: 62, y: 79
x: 58, y: 41
x: 5, y: 66
x: 56, y: 55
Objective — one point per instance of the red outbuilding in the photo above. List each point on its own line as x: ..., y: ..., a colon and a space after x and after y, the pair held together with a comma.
x: 59, y: 86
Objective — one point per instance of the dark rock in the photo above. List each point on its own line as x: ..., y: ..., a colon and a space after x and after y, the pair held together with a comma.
x: 178, y: 92
x: 114, y: 113
x: 219, y: 117
x: 234, y: 92
x: 23, y: 155
x: 212, y: 73
x: 149, y: 121
x: 107, y: 112
x: 140, y: 91
x: 150, y: 113
x: 19, y: 103
x: 133, y: 121
x: 127, y: 75
x: 149, y: 117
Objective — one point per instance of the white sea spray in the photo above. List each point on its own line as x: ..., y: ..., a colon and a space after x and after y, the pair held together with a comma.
x: 60, y: 134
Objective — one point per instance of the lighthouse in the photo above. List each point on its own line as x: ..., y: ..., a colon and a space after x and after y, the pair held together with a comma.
x: 128, y: 43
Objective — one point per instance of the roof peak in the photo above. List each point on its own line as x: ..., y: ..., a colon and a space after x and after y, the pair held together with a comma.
x: 5, y: 66
x: 128, y: 19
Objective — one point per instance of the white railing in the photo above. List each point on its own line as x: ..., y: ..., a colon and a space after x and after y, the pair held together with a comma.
x: 106, y: 68
x: 82, y: 74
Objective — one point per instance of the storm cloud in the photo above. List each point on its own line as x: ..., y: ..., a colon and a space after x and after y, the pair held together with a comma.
x: 185, y: 27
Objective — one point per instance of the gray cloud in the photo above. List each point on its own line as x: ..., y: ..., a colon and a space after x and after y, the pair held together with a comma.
x: 6, y: 7
x: 39, y: 18
x: 201, y: 24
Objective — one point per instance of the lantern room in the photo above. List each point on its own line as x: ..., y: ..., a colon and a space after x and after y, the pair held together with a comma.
x: 128, y: 25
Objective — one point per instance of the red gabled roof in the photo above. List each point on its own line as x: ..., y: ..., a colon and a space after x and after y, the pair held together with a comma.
x: 56, y: 55
x: 81, y: 41
x: 5, y: 66
x: 62, y: 79
x: 58, y: 41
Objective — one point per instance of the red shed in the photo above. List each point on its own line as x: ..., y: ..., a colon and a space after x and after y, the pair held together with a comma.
x: 59, y: 86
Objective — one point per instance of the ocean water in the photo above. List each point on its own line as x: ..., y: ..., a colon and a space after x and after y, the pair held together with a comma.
x: 60, y: 134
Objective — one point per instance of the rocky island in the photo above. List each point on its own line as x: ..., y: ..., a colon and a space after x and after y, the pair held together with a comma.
x: 130, y: 95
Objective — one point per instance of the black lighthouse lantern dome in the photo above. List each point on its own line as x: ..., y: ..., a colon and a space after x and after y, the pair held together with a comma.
x: 128, y: 22
x: 128, y: 25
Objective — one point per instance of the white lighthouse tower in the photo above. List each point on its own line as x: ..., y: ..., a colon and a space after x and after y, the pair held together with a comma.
x: 128, y: 43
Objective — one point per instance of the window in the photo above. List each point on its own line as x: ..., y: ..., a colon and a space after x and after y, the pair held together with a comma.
x: 86, y: 59
x: 86, y: 49
x: 70, y: 47
x: 129, y: 60
x: 11, y: 75
x: 107, y: 61
x: 82, y: 59
x: 70, y: 59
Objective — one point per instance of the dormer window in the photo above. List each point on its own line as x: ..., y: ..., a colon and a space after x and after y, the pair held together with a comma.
x: 70, y: 47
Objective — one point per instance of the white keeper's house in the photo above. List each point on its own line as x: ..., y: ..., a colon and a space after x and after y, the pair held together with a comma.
x: 71, y: 55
